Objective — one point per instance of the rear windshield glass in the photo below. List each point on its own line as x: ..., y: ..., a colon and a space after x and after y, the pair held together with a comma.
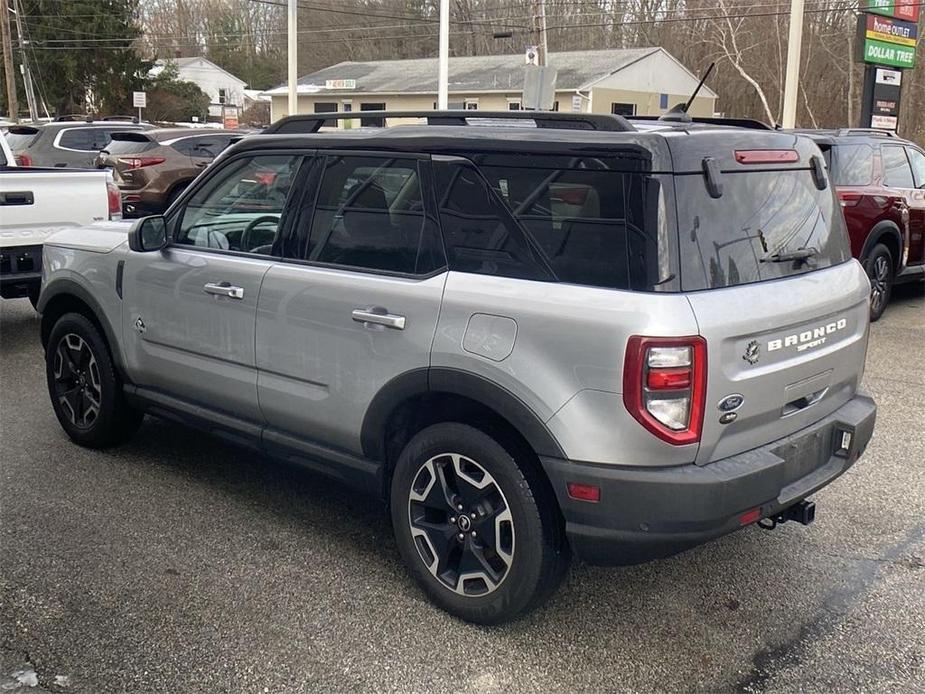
x: 853, y: 165
x: 20, y: 138
x: 129, y: 146
x: 733, y: 239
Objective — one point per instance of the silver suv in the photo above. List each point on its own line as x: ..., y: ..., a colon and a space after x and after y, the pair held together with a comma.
x: 582, y: 337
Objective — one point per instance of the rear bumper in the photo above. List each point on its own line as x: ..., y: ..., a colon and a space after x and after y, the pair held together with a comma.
x: 20, y: 271
x: 648, y: 513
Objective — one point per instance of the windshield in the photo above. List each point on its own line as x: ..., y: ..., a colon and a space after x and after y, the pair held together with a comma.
x: 766, y: 225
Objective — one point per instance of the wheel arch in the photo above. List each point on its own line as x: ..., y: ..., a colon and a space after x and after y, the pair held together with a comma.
x: 63, y: 296
x: 887, y: 233
x: 416, y: 399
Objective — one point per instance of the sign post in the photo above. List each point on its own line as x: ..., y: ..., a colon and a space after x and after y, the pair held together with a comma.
x: 888, y: 36
x: 139, y: 101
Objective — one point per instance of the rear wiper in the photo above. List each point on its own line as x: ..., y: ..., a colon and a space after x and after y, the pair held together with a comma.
x: 790, y: 256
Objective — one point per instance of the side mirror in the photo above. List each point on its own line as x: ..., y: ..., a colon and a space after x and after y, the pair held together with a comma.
x: 148, y: 234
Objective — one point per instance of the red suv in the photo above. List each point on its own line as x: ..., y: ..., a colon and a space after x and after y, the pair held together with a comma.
x: 880, y: 180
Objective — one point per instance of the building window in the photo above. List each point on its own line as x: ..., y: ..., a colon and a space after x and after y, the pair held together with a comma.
x: 327, y: 107
x: 513, y: 104
x: 555, y: 105
x: 223, y: 96
x: 618, y: 109
x: 471, y: 104
x: 663, y: 101
x: 372, y: 122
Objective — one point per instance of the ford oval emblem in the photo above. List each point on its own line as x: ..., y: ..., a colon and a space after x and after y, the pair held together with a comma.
x: 731, y: 402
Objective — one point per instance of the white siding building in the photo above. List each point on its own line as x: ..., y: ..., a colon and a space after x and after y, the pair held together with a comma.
x: 223, y: 88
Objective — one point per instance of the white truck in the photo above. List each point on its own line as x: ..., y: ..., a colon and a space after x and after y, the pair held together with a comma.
x: 35, y: 203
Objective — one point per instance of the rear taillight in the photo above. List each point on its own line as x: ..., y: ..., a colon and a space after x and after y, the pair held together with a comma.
x: 664, y: 385
x: 23, y: 159
x: 115, y: 201
x: 141, y: 162
x: 849, y: 199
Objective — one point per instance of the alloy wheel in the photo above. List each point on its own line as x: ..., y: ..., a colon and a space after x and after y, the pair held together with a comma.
x: 461, y: 524
x: 879, y: 282
x: 77, y: 385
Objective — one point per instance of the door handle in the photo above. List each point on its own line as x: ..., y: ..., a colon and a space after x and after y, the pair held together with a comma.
x: 377, y: 315
x: 223, y: 289
x: 19, y: 197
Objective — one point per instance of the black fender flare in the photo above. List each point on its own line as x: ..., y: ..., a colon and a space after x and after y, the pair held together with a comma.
x: 65, y: 286
x: 881, y: 229
x: 455, y: 382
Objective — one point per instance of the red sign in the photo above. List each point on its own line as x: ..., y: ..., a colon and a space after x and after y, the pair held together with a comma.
x: 907, y: 10
x: 231, y: 122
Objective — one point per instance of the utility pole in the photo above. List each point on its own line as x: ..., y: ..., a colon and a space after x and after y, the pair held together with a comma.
x: 443, y: 70
x: 539, y: 31
x: 12, y: 101
x: 293, y: 58
x: 792, y: 83
x: 24, y: 64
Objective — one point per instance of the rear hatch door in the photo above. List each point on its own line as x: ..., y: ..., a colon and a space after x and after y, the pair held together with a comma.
x: 126, y: 156
x: 767, y: 269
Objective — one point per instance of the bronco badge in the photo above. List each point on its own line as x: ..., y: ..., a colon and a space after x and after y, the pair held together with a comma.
x: 752, y: 350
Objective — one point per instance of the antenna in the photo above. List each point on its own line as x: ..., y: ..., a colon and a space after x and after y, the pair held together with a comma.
x: 703, y: 79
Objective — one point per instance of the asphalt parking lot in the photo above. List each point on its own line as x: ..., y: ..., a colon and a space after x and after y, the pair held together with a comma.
x: 180, y: 564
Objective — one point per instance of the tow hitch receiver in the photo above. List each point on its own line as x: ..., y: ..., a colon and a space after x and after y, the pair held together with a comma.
x: 803, y: 512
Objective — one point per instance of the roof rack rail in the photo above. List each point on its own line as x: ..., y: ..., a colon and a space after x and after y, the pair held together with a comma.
x: 72, y: 117
x: 311, y: 123
x: 706, y: 120
x: 877, y: 132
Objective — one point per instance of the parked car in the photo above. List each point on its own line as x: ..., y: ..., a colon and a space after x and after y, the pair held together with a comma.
x: 65, y: 143
x: 880, y: 180
x: 153, y: 167
x: 583, y: 337
x: 38, y: 202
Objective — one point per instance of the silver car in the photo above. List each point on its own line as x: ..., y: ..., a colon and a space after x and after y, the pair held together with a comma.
x: 586, y: 338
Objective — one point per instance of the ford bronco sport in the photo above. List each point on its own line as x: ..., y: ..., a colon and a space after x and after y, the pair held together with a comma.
x: 579, y: 337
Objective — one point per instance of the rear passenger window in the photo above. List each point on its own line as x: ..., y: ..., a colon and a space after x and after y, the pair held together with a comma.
x: 918, y: 167
x: 370, y: 214
x: 854, y: 165
x: 479, y: 232
x: 896, y: 170
x: 77, y: 138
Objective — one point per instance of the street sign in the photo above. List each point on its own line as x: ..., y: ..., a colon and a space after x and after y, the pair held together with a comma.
x: 340, y: 84
x: 230, y: 121
x: 140, y: 99
x: 576, y: 103
x: 539, y: 88
x: 531, y: 55
x: 908, y: 10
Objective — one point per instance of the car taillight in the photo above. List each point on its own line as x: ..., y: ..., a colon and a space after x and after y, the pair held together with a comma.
x: 115, y: 201
x: 664, y: 385
x: 141, y: 162
x: 23, y: 159
x: 849, y: 199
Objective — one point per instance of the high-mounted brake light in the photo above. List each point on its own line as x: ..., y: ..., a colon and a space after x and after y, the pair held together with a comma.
x: 114, y: 197
x: 767, y: 156
x: 141, y: 162
x: 664, y: 385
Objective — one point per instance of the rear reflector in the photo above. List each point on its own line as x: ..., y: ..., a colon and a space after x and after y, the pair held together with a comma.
x: 767, y: 156
x: 750, y: 517
x: 584, y: 492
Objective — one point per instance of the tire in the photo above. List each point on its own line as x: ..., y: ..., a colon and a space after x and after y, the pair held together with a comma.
x: 511, y: 557
x: 879, y: 268
x: 85, y: 390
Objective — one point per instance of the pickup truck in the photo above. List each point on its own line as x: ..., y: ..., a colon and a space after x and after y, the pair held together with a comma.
x: 35, y: 203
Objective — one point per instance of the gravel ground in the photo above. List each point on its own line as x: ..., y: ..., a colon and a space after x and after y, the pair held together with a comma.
x: 179, y: 564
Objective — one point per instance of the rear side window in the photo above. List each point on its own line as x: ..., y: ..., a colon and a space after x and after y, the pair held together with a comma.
x: 479, y: 231
x: 918, y: 167
x: 733, y: 239
x: 853, y: 165
x: 207, y: 146
x: 896, y: 170
x: 595, y: 224
x: 370, y: 215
